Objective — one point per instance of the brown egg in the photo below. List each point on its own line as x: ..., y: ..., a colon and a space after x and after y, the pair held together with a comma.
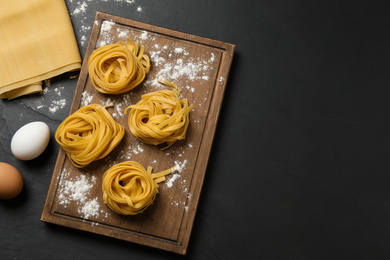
x: 11, y: 181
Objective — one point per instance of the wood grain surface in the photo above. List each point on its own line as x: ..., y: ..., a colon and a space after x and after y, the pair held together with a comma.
x: 200, y: 67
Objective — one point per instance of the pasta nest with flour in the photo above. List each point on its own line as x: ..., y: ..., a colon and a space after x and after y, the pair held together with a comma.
x: 160, y: 117
x: 89, y: 134
x: 118, y: 68
x: 128, y: 189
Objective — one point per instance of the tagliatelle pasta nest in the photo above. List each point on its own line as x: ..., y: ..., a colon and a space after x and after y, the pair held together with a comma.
x: 89, y: 134
x: 128, y: 189
x: 160, y: 117
x: 118, y: 68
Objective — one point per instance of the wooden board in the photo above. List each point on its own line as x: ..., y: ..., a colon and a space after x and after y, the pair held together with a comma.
x: 200, y: 68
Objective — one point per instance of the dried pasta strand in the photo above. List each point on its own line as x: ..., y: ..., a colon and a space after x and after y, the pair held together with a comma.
x: 160, y: 117
x: 89, y: 134
x: 118, y: 68
x: 128, y: 189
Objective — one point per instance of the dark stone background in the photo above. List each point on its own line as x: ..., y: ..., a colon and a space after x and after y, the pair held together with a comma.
x: 300, y: 166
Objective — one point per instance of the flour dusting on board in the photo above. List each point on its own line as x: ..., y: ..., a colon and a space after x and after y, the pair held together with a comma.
x: 86, y: 98
x: 144, y: 35
x: 78, y: 190
x: 178, y: 168
x: 133, y: 149
x: 106, y: 26
x: 104, y: 31
x: 176, y: 65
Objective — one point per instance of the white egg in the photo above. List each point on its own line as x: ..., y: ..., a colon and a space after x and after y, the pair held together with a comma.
x: 30, y: 140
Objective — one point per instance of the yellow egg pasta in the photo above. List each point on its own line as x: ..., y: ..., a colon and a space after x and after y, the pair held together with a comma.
x: 118, y: 68
x: 37, y: 42
x: 128, y: 189
x: 160, y: 117
x: 89, y: 134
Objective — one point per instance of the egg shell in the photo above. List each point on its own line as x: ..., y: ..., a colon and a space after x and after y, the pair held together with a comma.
x: 11, y: 181
x: 30, y: 140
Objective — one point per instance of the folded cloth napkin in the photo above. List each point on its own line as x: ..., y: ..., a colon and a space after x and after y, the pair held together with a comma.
x: 37, y: 42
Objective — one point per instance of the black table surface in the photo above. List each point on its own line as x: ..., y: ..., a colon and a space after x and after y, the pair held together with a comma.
x: 300, y: 164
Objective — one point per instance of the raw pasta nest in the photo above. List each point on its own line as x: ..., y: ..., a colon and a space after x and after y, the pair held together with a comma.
x: 160, y: 117
x: 128, y: 189
x: 118, y: 68
x: 89, y: 134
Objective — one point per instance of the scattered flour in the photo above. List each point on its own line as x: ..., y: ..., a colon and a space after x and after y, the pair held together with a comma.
x: 78, y: 190
x: 190, y: 88
x: 84, y: 31
x: 123, y: 34
x: 132, y: 149
x: 57, y: 104
x: 90, y: 208
x: 179, y: 50
x: 125, y: 1
x: 50, y: 99
x: 182, y: 202
x: 137, y: 149
x: 81, y: 8
x: 86, y: 98
x: 184, y: 67
x: 83, y: 40
x: 179, y: 166
x: 119, y: 106
x: 106, y: 26
x: 144, y: 35
x: 170, y: 182
x: 221, y: 80
x: 105, y: 35
x: 155, y: 56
